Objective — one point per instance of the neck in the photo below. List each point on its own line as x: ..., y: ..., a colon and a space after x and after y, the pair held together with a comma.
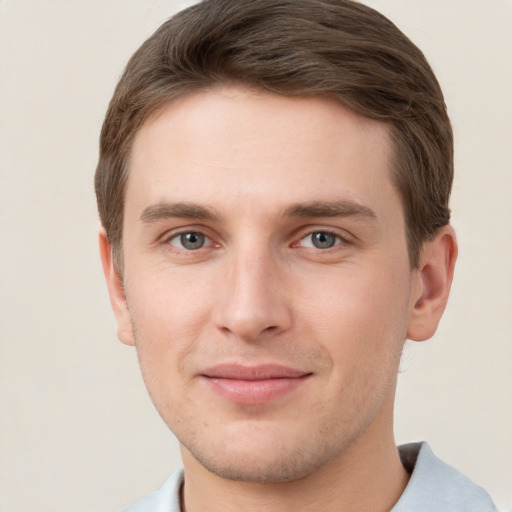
x: 368, y: 476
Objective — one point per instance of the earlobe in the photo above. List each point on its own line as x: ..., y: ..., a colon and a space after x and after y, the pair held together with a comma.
x: 435, y: 276
x: 116, y: 291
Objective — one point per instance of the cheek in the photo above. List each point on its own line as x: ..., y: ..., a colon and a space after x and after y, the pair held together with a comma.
x: 169, y: 312
x: 359, y: 314
x: 168, y: 317
x: 363, y: 333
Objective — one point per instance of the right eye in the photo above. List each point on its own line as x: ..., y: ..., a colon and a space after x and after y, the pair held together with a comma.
x: 189, y: 241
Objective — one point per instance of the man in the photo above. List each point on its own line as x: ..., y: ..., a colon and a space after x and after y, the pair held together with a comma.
x: 273, y: 187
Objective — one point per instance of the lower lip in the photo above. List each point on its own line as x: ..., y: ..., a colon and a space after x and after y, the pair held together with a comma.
x: 254, y: 391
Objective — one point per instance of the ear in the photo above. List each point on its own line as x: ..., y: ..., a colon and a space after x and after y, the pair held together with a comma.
x: 116, y: 291
x: 435, y: 274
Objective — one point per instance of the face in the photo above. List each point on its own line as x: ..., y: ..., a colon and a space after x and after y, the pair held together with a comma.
x: 268, y: 287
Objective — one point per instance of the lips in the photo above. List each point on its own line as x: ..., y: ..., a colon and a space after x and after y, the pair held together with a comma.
x: 253, y: 384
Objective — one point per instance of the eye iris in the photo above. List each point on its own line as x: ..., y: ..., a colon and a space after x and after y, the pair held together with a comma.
x: 192, y: 240
x: 322, y: 240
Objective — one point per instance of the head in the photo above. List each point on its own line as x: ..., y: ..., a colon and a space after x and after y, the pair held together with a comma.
x: 273, y: 186
x: 335, y: 49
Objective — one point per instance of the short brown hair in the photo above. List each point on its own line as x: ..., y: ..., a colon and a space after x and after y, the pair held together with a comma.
x: 337, y: 49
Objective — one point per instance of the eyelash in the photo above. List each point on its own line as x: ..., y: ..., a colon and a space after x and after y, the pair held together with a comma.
x: 207, y: 240
x: 327, y: 235
x: 335, y: 238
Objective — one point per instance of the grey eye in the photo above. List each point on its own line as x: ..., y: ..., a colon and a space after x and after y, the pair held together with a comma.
x: 321, y: 240
x: 189, y: 241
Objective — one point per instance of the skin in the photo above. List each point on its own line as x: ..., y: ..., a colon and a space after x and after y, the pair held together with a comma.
x: 260, y: 176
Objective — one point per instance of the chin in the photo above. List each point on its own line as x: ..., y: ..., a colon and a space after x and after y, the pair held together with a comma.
x: 268, y: 461
x: 277, y: 468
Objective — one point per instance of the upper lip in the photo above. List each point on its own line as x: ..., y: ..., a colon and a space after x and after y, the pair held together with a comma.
x: 257, y: 372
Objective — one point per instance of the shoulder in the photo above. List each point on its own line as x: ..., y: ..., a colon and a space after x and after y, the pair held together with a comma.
x: 166, y: 499
x: 435, y: 485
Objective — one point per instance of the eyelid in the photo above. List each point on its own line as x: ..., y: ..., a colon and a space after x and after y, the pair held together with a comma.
x: 207, y: 241
x: 166, y: 238
x: 337, y: 240
x: 343, y: 235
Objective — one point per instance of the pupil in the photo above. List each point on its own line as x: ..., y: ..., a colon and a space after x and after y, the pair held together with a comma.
x: 192, y: 240
x: 323, y: 240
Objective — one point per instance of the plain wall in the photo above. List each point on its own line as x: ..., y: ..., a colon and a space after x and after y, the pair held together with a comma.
x: 77, y: 429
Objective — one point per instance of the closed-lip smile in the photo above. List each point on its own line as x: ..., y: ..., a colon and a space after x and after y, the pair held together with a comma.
x: 253, y: 384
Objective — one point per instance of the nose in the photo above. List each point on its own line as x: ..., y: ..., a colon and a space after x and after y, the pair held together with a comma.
x: 252, y: 303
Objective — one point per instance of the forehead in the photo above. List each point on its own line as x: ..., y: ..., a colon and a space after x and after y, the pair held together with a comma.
x: 267, y: 149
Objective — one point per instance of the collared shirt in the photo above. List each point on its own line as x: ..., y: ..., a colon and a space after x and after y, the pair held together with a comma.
x: 433, y: 487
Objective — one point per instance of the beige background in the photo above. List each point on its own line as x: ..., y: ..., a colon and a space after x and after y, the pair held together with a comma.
x: 78, y: 432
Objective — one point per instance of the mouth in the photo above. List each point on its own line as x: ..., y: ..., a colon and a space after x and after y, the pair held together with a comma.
x: 253, y: 384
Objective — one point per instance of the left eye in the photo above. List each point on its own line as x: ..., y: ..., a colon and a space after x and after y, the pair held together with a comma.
x: 190, y: 241
x: 321, y: 240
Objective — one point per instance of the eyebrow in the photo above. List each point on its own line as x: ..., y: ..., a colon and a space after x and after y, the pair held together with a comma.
x: 339, y: 208
x: 162, y: 211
